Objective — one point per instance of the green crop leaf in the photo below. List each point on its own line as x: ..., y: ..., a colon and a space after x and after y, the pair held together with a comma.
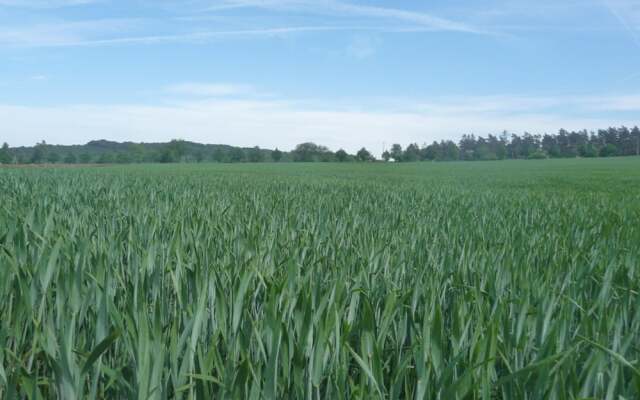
x: 99, y: 350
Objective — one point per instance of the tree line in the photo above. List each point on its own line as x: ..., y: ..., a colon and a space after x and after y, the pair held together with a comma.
x: 176, y: 151
x: 609, y: 142
x: 107, y: 152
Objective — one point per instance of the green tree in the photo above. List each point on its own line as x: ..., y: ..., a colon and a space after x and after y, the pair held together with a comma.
x: 326, y: 156
x: 276, y: 155
x: 5, y: 154
x: 610, y: 150
x: 53, y: 157
x: 587, y: 150
x: 412, y: 153
x: 106, y: 158
x: 39, y: 151
x: 70, y: 158
x: 450, y: 152
x: 537, y: 155
x: 497, y: 146
x: 635, y: 134
x: 219, y: 155
x: 255, y: 155
x: 236, y: 155
x: 342, y: 155
x: 432, y: 152
x: 178, y: 149
x: 137, y: 152
x: 483, y: 153
x: 166, y: 156
x: 396, y: 152
x: 364, y: 155
x: 550, y: 145
x: 123, y: 158
x: 307, y: 152
x: 85, y: 158
x: 467, y: 146
x: 386, y: 156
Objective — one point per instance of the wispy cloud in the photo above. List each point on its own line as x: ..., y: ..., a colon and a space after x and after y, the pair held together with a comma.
x: 627, y: 12
x: 65, y: 33
x: 413, y: 17
x: 345, y: 17
x: 343, y: 9
x: 45, y: 3
x: 109, y: 32
x: 614, y: 103
x: 631, y: 77
x: 521, y: 16
x: 74, y: 34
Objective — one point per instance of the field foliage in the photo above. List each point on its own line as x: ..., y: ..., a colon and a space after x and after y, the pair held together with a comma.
x: 515, y: 280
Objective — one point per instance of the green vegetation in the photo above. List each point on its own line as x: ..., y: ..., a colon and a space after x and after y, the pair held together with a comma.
x: 612, y: 142
x: 107, y: 152
x: 516, y: 279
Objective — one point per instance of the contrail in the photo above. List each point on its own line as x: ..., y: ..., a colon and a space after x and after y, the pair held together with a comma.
x: 630, y: 77
x: 622, y: 21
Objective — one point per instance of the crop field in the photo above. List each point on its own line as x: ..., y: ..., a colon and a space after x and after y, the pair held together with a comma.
x: 494, y: 280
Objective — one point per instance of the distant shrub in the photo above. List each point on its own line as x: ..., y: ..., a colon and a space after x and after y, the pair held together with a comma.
x: 609, y: 150
x: 538, y: 155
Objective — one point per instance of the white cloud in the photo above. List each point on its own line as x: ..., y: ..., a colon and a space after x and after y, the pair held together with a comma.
x: 614, y: 103
x: 283, y: 124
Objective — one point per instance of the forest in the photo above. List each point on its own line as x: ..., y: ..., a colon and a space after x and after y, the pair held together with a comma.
x: 611, y: 142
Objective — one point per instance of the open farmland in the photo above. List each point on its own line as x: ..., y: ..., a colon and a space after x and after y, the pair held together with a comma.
x: 515, y: 280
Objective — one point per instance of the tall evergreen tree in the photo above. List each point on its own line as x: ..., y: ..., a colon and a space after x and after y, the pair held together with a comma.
x: 635, y: 133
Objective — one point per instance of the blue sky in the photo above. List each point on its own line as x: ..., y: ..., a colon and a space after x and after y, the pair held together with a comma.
x: 341, y: 73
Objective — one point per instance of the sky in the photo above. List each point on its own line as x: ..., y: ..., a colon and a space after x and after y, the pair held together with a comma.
x: 344, y: 74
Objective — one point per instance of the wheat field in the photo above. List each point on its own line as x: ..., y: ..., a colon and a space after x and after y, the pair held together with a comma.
x: 494, y: 280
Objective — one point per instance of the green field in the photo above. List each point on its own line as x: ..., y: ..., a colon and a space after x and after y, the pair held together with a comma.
x: 514, y: 280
